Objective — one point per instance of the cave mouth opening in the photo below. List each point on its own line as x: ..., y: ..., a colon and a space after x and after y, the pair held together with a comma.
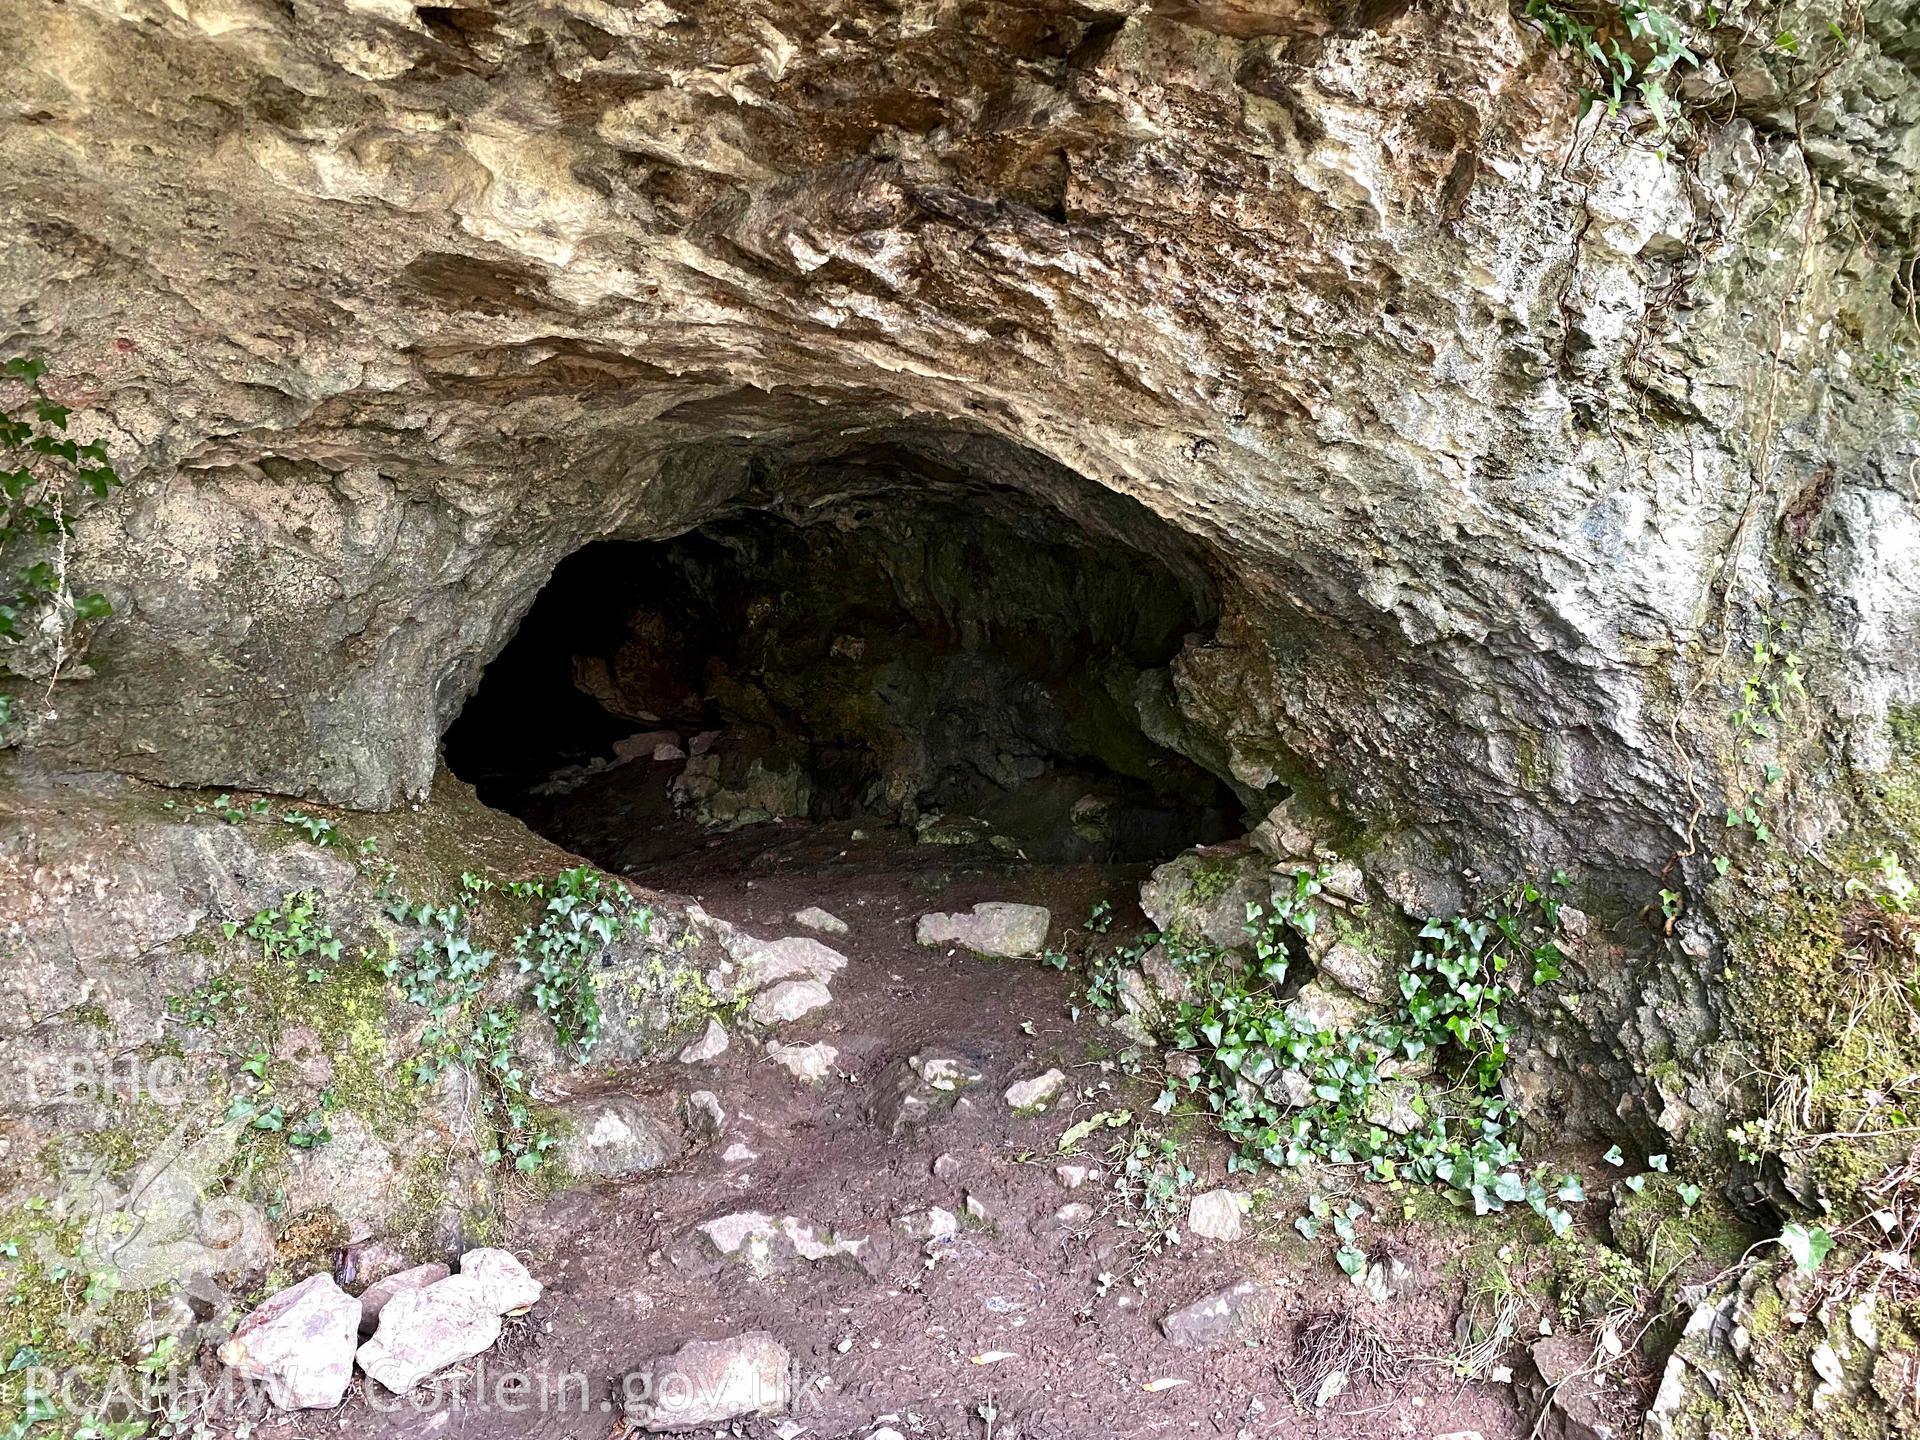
x: 958, y: 665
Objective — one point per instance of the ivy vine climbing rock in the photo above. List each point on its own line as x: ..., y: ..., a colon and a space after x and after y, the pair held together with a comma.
x: 46, y: 478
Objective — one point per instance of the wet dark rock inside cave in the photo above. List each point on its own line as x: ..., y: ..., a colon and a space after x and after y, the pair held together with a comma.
x: 965, y: 668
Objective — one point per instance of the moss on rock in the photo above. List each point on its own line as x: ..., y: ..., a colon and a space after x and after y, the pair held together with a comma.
x: 1659, y: 1228
x: 1818, y: 991
x: 1798, y: 1368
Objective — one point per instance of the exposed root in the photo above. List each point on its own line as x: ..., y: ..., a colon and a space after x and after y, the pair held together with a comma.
x: 1474, y: 1359
x: 1335, y: 1342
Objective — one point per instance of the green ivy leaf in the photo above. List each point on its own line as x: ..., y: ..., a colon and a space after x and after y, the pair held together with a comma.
x: 1807, y: 1246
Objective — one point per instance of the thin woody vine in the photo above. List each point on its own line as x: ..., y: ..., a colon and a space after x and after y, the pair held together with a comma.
x: 47, y: 477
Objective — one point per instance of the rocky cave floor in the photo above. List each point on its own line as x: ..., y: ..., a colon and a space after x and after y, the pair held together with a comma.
x: 1040, y: 1315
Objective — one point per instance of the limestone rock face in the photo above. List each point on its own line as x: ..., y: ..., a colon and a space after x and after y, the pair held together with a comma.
x: 1332, y: 310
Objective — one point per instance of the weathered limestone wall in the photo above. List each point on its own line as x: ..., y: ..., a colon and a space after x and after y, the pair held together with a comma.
x: 1483, y: 420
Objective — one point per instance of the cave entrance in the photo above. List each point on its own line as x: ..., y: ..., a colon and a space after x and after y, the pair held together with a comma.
x: 963, y: 666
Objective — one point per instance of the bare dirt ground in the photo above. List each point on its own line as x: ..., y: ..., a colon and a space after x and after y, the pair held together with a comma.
x: 1004, y: 1329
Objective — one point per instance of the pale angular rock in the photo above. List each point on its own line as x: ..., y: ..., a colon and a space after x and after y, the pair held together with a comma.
x: 810, y: 1245
x: 760, y: 963
x: 424, y: 1331
x: 1381, y: 1282
x: 809, y: 1064
x: 1321, y: 1006
x: 723, y: 797
x: 1578, y: 1405
x: 757, y: 1239
x: 788, y: 1001
x: 1395, y: 1105
x: 1226, y: 1317
x: 375, y: 1297
x: 500, y: 1281
x: 1217, y: 1215
x: 1290, y: 832
x: 940, y: 1071
x: 1372, y: 976
x: 1291, y: 1087
x: 814, y: 918
x: 898, y: 1101
x: 993, y: 927
x: 1344, y: 880
x: 709, y: 1382
x: 710, y: 1046
x: 648, y: 744
x: 930, y: 1224
x: 706, y: 1117
x: 1170, y: 985
x: 300, y: 1342
x: 1072, y: 1177
x: 1141, y: 1002
x: 949, y: 830
x: 909, y: 1091
x: 618, y: 1135
x: 1203, y: 898
x: 730, y: 1234
x: 1131, y: 1028
x: 1037, y: 1093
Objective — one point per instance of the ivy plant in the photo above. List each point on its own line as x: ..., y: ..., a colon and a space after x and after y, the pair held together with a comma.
x: 448, y: 975
x: 1632, y: 48
x: 1290, y: 1092
x: 580, y: 922
x: 45, y: 477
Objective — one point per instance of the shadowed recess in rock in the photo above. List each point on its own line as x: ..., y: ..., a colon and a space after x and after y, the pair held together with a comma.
x: 965, y: 661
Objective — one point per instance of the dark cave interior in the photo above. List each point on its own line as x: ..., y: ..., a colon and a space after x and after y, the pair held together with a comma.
x: 966, y: 664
